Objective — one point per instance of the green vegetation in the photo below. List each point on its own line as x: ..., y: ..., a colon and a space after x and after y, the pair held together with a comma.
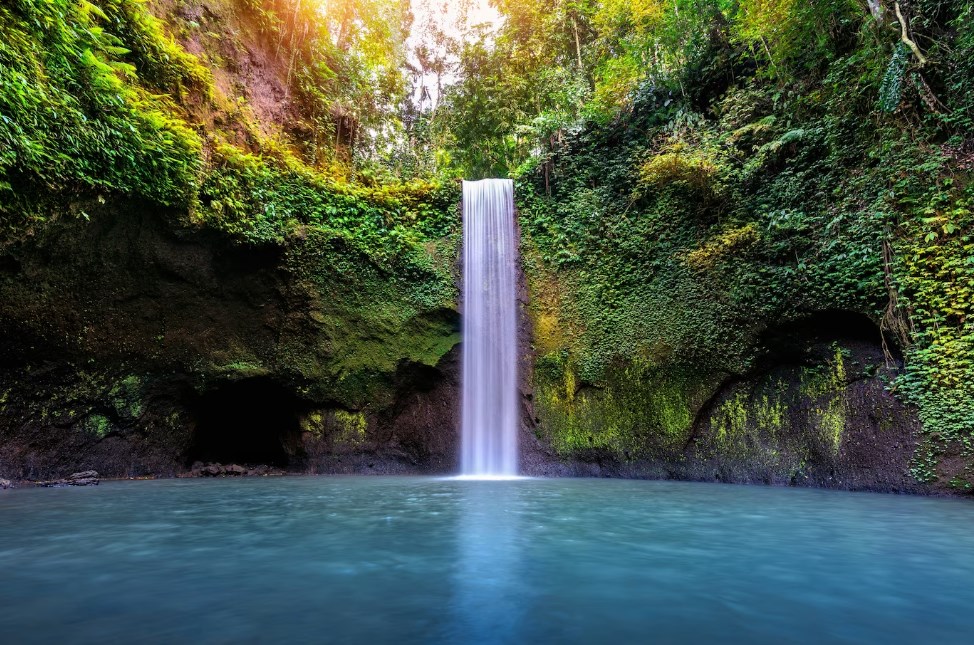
x: 353, y: 425
x: 719, y: 168
x: 369, y: 317
x: 825, y: 386
x: 76, y: 114
x: 102, y: 103
x: 638, y: 411
x: 690, y: 174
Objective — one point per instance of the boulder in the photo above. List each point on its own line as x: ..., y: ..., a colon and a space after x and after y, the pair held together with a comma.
x: 84, y: 478
x: 211, y: 470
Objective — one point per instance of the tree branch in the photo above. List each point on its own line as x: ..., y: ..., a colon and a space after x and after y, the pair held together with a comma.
x: 905, y: 35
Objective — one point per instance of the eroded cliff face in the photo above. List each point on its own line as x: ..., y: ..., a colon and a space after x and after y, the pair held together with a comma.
x: 133, y: 346
x: 815, y: 410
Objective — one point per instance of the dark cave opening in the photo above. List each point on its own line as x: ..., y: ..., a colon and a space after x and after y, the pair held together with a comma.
x: 253, y: 421
x: 791, y: 342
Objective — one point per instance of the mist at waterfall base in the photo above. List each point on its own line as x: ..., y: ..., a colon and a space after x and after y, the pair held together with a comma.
x: 424, y: 560
x: 489, y: 350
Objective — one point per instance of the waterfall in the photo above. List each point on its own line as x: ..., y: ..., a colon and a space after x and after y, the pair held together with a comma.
x: 490, y: 416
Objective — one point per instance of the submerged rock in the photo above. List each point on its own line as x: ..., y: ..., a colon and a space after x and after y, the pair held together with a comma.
x: 83, y: 478
x: 232, y: 470
x: 212, y: 470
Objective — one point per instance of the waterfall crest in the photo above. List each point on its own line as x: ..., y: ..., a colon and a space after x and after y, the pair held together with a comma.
x: 489, y: 419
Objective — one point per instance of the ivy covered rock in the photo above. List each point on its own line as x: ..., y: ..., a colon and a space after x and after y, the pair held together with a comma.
x: 229, y: 233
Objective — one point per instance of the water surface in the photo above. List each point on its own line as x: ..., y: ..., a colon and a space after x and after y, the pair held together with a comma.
x: 410, y: 560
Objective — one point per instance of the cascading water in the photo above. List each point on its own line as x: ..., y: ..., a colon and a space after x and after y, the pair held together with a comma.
x: 489, y: 439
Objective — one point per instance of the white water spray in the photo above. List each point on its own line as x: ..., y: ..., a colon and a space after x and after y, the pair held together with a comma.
x: 489, y: 439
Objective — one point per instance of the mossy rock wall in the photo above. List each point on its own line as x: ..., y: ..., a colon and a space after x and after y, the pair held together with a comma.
x: 817, y: 412
x: 118, y: 327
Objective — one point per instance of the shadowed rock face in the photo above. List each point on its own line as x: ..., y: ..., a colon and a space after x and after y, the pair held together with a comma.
x: 817, y: 414
x: 814, y: 411
x: 133, y: 347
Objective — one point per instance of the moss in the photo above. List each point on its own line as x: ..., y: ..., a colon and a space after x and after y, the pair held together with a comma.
x: 367, y: 321
x: 271, y: 197
x: 638, y: 412
x: 241, y: 369
x: 727, y: 243
x: 313, y: 423
x: 825, y: 387
x: 341, y: 429
x: 678, y: 163
x: 730, y: 419
x: 770, y: 412
x: 751, y: 423
x: 352, y: 428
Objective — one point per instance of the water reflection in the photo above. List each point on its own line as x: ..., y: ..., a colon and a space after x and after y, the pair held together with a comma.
x: 490, y: 576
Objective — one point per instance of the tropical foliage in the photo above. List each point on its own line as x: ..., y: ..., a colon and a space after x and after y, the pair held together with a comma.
x: 689, y: 171
x: 728, y: 166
